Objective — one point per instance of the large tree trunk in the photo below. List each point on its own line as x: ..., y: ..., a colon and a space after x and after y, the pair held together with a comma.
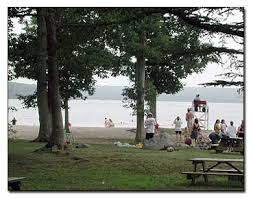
x: 140, y: 80
x: 57, y: 137
x: 153, y: 105
x: 42, y: 98
x: 66, y: 108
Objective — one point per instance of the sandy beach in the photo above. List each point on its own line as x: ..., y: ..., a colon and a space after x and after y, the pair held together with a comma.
x: 31, y: 132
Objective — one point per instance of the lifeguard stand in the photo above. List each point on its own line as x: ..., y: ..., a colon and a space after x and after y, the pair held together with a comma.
x: 200, y: 110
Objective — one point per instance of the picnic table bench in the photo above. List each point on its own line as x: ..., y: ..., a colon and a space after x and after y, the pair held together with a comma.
x: 15, y: 182
x: 233, y: 173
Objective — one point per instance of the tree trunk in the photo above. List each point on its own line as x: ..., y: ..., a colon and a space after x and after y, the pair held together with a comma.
x: 42, y: 98
x: 140, y: 79
x: 66, y: 107
x: 57, y: 137
x: 153, y: 105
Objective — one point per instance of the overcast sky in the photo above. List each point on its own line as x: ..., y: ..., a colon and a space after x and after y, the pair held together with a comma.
x: 192, y: 80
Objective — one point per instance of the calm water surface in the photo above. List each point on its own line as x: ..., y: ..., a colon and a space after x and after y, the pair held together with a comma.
x: 91, y: 113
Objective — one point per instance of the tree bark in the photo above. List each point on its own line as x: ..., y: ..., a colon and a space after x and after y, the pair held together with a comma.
x: 42, y: 98
x: 66, y: 108
x: 140, y: 80
x: 153, y: 105
x: 57, y: 137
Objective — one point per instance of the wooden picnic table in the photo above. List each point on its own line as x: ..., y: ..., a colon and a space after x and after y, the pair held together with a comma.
x: 233, y: 172
x: 15, y: 182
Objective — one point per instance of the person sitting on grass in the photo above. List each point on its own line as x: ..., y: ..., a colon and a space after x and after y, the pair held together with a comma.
x: 150, y: 123
x: 214, y: 137
x: 178, y: 122
x: 187, y: 140
x: 195, y: 131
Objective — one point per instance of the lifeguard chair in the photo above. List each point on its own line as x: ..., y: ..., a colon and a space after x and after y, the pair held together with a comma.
x: 201, y: 112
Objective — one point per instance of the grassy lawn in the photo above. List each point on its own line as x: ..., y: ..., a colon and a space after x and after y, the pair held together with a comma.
x: 103, y: 166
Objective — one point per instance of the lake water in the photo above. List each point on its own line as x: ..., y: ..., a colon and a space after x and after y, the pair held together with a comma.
x: 91, y: 113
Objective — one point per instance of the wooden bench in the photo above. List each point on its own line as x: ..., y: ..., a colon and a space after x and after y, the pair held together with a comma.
x: 15, y: 182
x: 193, y: 175
x: 223, y: 170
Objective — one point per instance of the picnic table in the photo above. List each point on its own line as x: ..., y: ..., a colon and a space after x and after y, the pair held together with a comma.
x: 15, y: 182
x: 230, y: 144
x: 233, y: 173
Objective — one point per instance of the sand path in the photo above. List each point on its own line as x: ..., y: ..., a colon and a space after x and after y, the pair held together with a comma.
x: 31, y: 132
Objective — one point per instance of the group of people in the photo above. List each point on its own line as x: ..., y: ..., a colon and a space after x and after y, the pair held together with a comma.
x: 221, y: 130
x: 191, y: 131
x: 109, y: 123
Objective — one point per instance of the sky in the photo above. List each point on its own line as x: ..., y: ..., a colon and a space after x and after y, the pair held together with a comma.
x: 191, y: 81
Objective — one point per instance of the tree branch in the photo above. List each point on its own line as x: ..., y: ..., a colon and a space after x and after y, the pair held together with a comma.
x: 196, y: 22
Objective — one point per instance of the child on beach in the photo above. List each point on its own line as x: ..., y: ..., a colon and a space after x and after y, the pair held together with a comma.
x: 188, y: 140
x: 157, y: 129
x: 195, y: 131
x: 178, y: 129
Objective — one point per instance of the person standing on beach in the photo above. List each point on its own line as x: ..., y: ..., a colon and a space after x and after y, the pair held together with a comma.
x: 189, y: 119
x: 14, y: 121
x: 178, y: 122
x: 195, y: 131
x: 150, y: 123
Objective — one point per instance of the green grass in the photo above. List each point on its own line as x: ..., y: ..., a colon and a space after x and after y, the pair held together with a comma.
x: 103, y: 166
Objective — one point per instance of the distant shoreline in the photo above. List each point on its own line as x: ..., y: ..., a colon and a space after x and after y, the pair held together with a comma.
x: 211, y: 94
x: 157, y: 101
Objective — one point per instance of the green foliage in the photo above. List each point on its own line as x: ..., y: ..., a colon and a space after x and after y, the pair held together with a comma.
x: 130, y: 97
x: 172, y: 52
x: 29, y: 100
x: 81, y: 54
x: 22, y: 55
